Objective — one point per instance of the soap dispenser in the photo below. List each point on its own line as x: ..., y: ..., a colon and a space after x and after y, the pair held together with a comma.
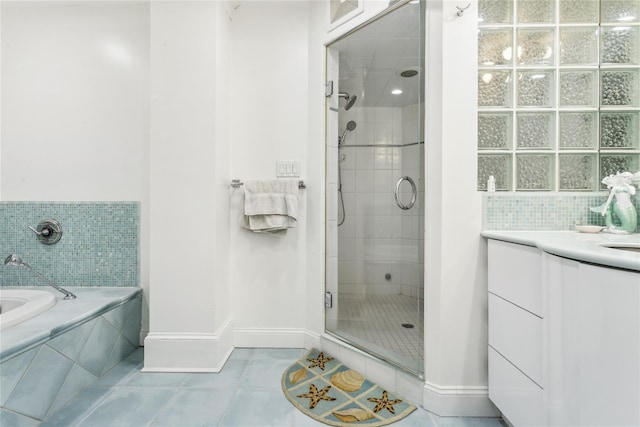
x: 491, y: 184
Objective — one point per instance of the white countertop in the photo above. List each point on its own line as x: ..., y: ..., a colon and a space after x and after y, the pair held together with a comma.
x: 578, y: 246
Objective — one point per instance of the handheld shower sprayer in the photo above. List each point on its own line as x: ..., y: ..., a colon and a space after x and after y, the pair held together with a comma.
x: 351, y: 125
x: 15, y: 261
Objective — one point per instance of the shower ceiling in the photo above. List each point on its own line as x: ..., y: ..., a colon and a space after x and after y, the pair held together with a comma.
x: 372, y: 59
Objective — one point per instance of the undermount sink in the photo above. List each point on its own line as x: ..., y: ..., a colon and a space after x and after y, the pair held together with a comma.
x: 632, y: 247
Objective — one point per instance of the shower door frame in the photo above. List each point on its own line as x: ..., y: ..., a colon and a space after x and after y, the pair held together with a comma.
x: 332, y: 214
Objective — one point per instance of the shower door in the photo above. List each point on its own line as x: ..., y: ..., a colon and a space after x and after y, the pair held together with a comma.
x: 375, y: 188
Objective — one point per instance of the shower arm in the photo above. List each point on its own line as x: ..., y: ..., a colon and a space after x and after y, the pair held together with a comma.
x: 67, y: 295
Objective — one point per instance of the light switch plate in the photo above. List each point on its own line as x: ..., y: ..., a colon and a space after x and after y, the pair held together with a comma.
x: 287, y: 168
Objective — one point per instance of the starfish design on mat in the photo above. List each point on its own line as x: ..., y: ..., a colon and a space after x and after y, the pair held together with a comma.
x: 316, y: 395
x: 319, y: 361
x: 384, y: 403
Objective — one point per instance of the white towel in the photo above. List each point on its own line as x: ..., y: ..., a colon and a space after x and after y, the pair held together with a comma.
x: 270, y: 206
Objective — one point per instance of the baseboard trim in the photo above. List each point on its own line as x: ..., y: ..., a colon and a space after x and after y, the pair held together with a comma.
x: 458, y: 401
x: 275, y: 338
x: 143, y: 334
x: 176, y: 352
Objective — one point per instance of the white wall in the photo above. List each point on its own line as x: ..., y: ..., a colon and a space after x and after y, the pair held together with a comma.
x: 455, y: 253
x: 315, y: 202
x: 75, y: 105
x: 1, y: 36
x: 75, y: 100
x: 190, y: 322
x: 270, y: 122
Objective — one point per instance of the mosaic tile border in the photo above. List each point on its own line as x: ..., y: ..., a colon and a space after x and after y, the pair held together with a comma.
x: 99, y: 246
x: 542, y: 211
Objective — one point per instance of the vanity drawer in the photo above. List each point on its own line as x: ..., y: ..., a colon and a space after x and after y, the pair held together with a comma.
x: 518, y: 398
x: 517, y: 335
x: 515, y: 274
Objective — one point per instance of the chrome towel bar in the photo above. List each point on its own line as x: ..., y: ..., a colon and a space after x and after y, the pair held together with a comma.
x: 236, y: 183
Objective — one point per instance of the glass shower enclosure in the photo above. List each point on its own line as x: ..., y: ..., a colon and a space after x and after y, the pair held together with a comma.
x: 375, y: 187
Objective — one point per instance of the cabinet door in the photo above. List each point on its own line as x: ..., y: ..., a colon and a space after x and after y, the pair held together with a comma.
x: 561, y: 351
x: 518, y: 398
x: 515, y: 274
x: 517, y: 335
x: 608, y: 346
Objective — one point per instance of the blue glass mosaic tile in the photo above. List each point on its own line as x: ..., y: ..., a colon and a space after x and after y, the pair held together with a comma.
x: 542, y: 211
x: 99, y: 245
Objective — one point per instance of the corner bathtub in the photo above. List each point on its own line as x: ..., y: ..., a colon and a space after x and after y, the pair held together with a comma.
x: 51, y: 349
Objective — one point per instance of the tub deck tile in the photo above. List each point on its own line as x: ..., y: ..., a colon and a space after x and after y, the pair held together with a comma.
x: 65, y: 315
x: 71, y: 343
x: 98, y: 347
x: 77, y: 380
x: 39, y: 375
x: 12, y: 419
x: 11, y: 371
x: 40, y: 384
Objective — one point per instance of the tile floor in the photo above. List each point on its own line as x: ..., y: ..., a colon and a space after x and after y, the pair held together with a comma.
x: 375, y: 322
x: 246, y: 393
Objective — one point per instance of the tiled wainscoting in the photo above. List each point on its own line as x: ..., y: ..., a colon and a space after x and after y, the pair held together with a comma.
x: 99, y: 245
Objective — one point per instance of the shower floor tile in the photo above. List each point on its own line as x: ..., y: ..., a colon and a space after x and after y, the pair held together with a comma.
x: 376, y: 323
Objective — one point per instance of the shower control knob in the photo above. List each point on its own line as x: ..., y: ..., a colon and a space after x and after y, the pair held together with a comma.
x: 387, y: 276
x: 49, y: 231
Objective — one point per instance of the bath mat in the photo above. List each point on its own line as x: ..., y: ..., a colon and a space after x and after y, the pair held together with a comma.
x: 330, y: 392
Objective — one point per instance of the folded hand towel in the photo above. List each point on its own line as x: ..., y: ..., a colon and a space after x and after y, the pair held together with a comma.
x: 270, y: 205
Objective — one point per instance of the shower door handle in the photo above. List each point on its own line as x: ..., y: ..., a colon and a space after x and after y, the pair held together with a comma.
x: 414, y: 193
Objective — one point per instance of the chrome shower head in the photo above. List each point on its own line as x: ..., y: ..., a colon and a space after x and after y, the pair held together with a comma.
x: 351, y: 99
x: 351, y: 125
x: 350, y: 102
x: 14, y: 261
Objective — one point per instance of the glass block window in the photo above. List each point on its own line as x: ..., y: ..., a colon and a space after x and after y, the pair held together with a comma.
x: 558, y: 93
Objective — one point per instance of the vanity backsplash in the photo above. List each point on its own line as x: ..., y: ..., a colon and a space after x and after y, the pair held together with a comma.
x: 542, y: 211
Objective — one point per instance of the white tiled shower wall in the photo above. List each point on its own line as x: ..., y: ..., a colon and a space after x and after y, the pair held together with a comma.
x: 377, y: 237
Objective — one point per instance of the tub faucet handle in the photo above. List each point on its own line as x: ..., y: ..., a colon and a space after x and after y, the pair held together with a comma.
x: 45, y: 231
x: 49, y: 231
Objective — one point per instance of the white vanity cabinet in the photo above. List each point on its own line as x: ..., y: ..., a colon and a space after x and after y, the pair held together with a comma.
x: 593, y: 336
x: 515, y: 332
x: 564, y: 339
